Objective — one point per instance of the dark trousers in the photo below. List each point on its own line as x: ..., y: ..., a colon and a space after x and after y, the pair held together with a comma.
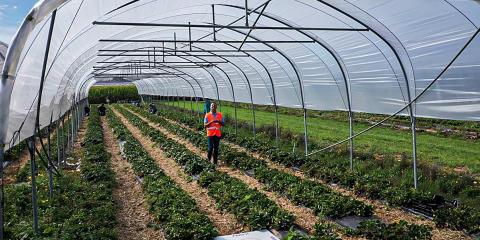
x: 213, y: 145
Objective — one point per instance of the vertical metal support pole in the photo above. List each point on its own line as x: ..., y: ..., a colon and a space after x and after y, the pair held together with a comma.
x: 163, y: 51
x: 175, y: 42
x: 50, y: 171
x: 149, y: 62
x: 276, y: 126
x: 236, y: 117
x: 37, y: 123
x: 191, y: 106
x: 63, y: 141
x: 350, y: 120
x: 198, y: 107
x: 254, y: 120
x: 246, y: 13
x: 184, y: 102
x: 59, y: 153
x: 66, y: 137
x: 190, y: 35
x: 154, y: 58
x: 33, y: 169
x: 177, y: 99
x: 305, y: 128
x: 74, y: 120
x: 2, y: 197
x: 214, y: 30
x: 72, y: 128
x: 414, y: 149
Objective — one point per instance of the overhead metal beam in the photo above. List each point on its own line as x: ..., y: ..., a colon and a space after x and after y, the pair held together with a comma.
x: 134, y: 74
x: 186, y: 51
x: 189, y: 62
x: 246, y: 13
x: 147, y: 67
x: 139, y: 24
x: 201, y: 41
x: 189, y: 55
x: 254, y: 24
x: 214, y: 23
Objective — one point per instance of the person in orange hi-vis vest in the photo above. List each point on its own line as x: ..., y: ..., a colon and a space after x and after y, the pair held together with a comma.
x: 213, y: 123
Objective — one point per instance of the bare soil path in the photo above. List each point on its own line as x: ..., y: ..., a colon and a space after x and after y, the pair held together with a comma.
x: 132, y: 216
x: 223, y: 221
x: 10, y: 172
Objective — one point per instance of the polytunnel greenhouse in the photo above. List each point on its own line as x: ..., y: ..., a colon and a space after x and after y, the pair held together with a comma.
x: 251, y: 119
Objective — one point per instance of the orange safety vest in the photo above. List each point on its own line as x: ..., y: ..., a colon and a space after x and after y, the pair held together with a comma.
x: 214, y: 129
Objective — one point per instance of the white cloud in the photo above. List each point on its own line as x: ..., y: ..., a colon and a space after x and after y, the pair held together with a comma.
x: 15, y: 7
x: 3, y: 8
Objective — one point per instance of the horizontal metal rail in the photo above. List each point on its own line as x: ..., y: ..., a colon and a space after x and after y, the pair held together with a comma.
x: 139, y: 24
x: 201, y: 41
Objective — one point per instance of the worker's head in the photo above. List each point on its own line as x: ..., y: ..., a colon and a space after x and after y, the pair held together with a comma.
x: 213, y: 107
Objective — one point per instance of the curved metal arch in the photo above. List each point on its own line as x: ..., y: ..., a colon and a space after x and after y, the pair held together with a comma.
x: 372, y: 42
x: 240, y: 69
x: 404, y: 71
x: 241, y: 51
x: 183, y: 57
x: 188, y: 74
x: 340, y: 63
x: 189, y: 60
x: 216, y: 84
x: 294, y: 66
x: 92, y: 57
x: 234, y: 98
x: 176, y: 69
x: 188, y: 82
x: 321, y: 43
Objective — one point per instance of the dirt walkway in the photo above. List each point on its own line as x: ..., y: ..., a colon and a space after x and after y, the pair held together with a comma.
x: 10, y: 172
x: 304, y: 217
x: 386, y: 213
x: 224, y: 222
x: 132, y: 215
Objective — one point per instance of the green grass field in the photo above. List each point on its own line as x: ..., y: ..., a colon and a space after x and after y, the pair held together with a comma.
x: 445, y: 151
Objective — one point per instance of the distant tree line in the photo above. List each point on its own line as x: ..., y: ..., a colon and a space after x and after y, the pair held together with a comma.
x: 100, y: 94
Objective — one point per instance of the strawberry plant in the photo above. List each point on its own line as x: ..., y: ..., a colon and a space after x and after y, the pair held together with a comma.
x: 376, y: 230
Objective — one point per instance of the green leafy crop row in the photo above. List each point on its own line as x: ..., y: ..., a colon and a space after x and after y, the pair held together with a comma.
x: 173, y: 207
x: 81, y: 207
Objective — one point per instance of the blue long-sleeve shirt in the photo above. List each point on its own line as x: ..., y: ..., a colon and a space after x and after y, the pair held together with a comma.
x: 215, y: 117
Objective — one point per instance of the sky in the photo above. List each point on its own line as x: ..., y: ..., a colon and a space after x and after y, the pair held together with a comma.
x: 12, y: 13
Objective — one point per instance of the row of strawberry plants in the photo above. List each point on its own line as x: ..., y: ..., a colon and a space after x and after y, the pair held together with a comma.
x: 248, y: 205
x: 172, y: 206
x: 97, y: 218
x: 311, y: 194
x: 371, y: 180
x: 308, y: 193
x: 80, y: 208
